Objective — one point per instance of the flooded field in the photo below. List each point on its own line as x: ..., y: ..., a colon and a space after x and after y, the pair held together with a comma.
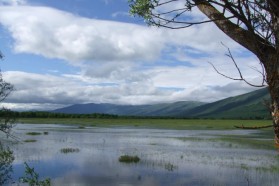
x: 72, y: 155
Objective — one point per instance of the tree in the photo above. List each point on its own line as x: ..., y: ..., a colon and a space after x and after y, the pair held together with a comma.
x: 7, y: 120
x: 6, y: 160
x: 254, y: 24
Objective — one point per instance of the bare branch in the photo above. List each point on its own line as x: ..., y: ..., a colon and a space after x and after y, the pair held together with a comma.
x: 241, y: 78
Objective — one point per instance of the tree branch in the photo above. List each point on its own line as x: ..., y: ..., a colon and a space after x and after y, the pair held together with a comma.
x: 240, y: 78
x: 244, y: 37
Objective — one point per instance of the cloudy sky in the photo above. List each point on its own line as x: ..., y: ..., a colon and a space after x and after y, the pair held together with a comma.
x: 59, y: 53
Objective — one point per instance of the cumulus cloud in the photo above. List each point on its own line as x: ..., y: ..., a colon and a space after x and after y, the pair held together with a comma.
x: 66, y: 90
x: 120, y: 62
x: 45, y: 92
x: 57, y: 34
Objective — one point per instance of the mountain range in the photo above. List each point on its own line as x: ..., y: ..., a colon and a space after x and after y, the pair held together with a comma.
x: 246, y: 106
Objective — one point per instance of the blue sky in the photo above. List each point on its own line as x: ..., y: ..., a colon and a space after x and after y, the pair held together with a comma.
x: 59, y: 53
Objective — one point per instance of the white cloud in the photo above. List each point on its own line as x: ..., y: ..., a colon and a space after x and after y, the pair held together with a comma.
x: 13, y: 2
x: 45, y: 92
x: 57, y: 34
x: 120, y: 62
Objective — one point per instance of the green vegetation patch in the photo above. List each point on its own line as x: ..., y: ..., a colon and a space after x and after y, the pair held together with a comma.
x: 81, y: 127
x: 128, y: 159
x: 179, y: 124
x: 33, y: 133
x: 31, y: 177
x: 170, y: 167
x: 30, y: 141
x: 69, y: 150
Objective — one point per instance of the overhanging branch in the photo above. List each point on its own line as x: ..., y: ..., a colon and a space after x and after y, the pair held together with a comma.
x: 240, y: 78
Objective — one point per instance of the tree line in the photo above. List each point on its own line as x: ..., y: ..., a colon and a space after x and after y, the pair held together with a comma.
x: 5, y: 113
x: 43, y: 114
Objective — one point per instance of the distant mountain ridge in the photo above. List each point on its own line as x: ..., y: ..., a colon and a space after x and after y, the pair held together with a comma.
x: 249, y: 105
x: 163, y: 109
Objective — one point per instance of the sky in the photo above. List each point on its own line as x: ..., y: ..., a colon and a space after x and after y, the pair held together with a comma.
x: 60, y: 53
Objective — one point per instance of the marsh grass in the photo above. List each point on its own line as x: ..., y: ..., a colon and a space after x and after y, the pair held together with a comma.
x: 69, y: 150
x: 128, y: 159
x: 33, y: 133
x: 30, y: 141
x: 81, y: 127
x: 45, y: 133
x: 180, y: 124
x: 262, y: 140
x: 170, y: 167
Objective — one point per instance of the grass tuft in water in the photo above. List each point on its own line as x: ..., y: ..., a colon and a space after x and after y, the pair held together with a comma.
x: 128, y: 159
x: 30, y: 141
x: 33, y: 133
x: 170, y: 167
x: 69, y: 150
x: 45, y: 133
x: 81, y: 127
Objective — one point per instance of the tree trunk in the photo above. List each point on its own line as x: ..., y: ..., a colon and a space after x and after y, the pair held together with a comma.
x: 270, y: 60
x: 267, y: 53
x: 275, y: 116
x: 273, y: 82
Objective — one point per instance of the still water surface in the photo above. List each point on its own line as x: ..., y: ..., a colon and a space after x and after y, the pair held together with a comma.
x: 168, y: 157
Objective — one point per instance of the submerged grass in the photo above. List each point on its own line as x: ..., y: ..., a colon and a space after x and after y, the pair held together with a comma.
x: 235, y: 141
x: 180, y: 124
x: 30, y: 141
x: 128, y: 159
x: 33, y: 133
x: 69, y: 150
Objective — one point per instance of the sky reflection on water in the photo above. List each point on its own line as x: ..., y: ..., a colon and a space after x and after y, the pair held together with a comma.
x: 165, y: 158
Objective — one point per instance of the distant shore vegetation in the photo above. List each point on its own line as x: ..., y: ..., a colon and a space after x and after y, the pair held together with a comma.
x: 43, y: 114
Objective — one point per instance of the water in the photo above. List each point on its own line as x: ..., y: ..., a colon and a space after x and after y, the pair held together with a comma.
x: 168, y: 157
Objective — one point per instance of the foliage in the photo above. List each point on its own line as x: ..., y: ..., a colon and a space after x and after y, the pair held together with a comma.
x: 6, y: 119
x: 32, y: 178
x: 6, y: 159
x: 258, y: 17
x: 43, y: 114
x: 5, y: 88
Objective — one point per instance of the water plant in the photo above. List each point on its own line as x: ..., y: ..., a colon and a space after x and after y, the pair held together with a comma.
x: 81, y: 127
x: 69, y: 150
x: 33, y: 133
x: 128, y: 159
x: 45, y: 133
x: 170, y: 167
x: 30, y: 141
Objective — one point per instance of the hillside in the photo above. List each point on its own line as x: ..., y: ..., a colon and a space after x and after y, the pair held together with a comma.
x: 164, y: 109
x: 250, y: 105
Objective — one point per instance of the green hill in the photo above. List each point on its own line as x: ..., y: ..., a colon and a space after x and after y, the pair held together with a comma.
x: 250, y: 105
